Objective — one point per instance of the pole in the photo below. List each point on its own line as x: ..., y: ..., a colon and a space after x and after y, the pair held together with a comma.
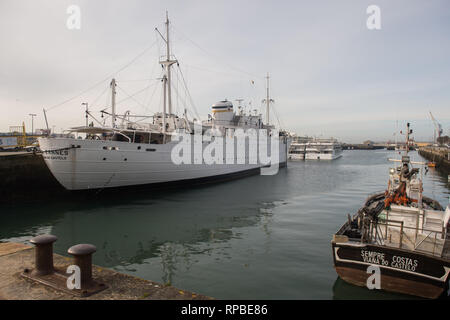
x: 407, y: 138
x: 164, y: 105
x: 87, y: 110
x: 169, y: 83
x: 32, y: 122
x: 267, y: 100
x: 46, y: 122
x: 167, y: 63
x: 113, y: 103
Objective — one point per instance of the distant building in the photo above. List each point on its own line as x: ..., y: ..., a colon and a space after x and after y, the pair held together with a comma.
x: 368, y: 143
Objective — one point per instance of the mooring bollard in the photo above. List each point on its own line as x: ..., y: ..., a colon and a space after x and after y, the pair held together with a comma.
x: 82, y: 254
x: 44, y: 254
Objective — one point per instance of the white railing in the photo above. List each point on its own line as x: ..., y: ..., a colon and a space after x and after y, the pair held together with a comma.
x: 395, y: 233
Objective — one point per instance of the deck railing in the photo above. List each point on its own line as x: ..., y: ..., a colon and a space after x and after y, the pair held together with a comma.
x: 395, y: 233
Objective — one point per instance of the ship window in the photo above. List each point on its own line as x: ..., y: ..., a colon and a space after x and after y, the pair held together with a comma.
x: 142, y: 138
x: 150, y: 150
x: 120, y: 137
x: 157, y: 138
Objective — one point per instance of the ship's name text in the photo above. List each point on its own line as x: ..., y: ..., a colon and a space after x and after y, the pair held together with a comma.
x: 56, y: 154
x: 396, y: 262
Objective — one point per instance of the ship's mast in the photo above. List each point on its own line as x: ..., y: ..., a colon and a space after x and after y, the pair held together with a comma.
x: 407, y: 138
x: 113, y: 103
x: 164, y: 103
x: 169, y: 89
x: 267, y: 100
x: 396, y: 133
x: 167, y: 63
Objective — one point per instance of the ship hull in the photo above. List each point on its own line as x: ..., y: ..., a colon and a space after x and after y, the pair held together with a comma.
x: 294, y: 156
x: 425, y: 276
x: 315, y: 156
x: 80, y: 164
x: 323, y: 156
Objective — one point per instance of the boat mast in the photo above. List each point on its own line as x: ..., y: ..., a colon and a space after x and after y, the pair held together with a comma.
x: 164, y: 104
x: 267, y: 100
x: 113, y: 103
x: 408, y: 131
x: 167, y: 63
x: 169, y: 83
x: 396, y: 132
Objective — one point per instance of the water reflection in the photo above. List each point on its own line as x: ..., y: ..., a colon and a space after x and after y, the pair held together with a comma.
x: 345, y: 291
x: 131, y: 229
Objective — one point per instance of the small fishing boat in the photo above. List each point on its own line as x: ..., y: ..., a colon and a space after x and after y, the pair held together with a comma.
x: 401, y: 233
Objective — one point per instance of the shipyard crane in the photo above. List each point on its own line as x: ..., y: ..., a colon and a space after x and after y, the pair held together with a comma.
x: 438, y: 128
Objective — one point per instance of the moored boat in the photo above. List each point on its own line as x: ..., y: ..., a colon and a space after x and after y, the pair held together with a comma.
x: 305, y: 148
x: 403, y: 233
x: 165, y: 148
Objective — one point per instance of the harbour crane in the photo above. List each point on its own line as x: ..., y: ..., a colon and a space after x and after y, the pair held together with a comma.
x: 438, y: 129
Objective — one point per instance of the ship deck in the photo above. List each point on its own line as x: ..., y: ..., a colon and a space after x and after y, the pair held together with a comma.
x: 414, y: 229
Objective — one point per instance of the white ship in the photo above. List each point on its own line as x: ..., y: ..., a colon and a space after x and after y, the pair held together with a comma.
x: 137, y: 153
x: 306, y: 148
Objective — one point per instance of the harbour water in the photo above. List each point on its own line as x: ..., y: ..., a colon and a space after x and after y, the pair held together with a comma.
x: 261, y: 237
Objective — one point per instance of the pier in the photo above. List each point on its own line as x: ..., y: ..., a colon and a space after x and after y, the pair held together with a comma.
x: 362, y: 146
x: 17, y: 257
x: 25, y: 177
x: 438, y: 155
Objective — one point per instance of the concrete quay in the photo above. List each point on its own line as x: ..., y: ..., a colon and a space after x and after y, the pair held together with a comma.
x: 24, y: 177
x: 441, y: 156
x: 15, y: 257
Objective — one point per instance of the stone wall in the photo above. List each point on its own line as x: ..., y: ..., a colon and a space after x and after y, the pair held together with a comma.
x: 25, y: 177
x: 437, y: 155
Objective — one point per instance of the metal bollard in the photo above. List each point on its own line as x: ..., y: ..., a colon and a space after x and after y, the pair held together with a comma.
x: 83, y: 259
x: 44, y: 254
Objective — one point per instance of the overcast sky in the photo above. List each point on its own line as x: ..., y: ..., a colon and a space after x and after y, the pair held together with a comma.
x: 330, y: 74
